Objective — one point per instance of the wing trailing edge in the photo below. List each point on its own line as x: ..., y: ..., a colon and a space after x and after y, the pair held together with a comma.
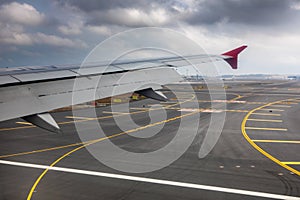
x: 231, y: 57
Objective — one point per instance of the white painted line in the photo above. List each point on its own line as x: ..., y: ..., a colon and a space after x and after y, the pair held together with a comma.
x: 117, y: 113
x: 188, y: 110
x: 200, y: 110
x: 76, y: 117
x: 211, y: 111
x: 228, y: 101
x: 151, y: 180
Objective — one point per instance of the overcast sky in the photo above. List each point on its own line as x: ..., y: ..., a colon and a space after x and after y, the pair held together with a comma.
x: 65, y: 31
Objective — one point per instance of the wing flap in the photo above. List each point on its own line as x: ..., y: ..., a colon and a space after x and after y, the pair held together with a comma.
x: 139, y: 65
x: 95, y: 70
x: 192, y: 60
x: 44, y: 75
x: 6, y: 79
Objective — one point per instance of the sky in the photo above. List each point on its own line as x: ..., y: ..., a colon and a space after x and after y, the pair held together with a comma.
x: 52, y: 32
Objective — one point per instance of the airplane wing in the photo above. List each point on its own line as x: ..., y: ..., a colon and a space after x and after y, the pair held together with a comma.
x: 31, y: 92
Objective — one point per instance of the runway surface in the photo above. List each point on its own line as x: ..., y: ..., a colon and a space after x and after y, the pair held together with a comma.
x: 256, y: 156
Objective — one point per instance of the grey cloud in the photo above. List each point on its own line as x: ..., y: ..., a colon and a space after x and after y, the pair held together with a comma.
x: 204, y: 12
x: 128, y: 13
x: 5, y: 2
x: 92, y: 5
x: 255, y: 12
x: 96, y: 5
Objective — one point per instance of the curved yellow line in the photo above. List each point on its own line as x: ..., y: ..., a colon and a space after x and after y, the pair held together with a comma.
x: 46, y: 170
x: 97, y: 118
x: 101, y: 139
x: 243, y: 128
x: 98, y: 140
x: 81, y: 143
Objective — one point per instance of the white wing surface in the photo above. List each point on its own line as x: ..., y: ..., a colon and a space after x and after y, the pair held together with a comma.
x: 30, y: 92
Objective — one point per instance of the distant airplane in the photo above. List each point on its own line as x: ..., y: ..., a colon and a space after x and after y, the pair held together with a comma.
x: 31, y: 92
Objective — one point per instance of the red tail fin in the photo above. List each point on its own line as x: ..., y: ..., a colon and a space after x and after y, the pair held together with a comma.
x: 232, y: 56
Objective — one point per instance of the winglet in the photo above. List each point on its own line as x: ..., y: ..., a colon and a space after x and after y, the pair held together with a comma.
x: 231, y: 57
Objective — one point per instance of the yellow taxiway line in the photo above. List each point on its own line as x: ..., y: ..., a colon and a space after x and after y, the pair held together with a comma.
x: 289, y: 102
x: 264, y: 120
x: 265, y: 129
x: 231, y: 102
x: 281, y: 106
x: 24, y: 123
x: 77, y: 117
x: 291, y: 163
x: 99, y: 140
x: 98, y: 118
x: 254, y: 145
x: 42, y: 150
x: 266, y: 114
x: 277, y: 141
x: 118, y: 113
x: 74, y: 144
x: 273, y: 109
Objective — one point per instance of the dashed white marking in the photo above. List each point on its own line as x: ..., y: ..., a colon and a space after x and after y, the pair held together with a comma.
x: 153, y: 181
x: 201, y: 110
x: 228, y: 101
x: 154, y: 105
x: 212, y: 111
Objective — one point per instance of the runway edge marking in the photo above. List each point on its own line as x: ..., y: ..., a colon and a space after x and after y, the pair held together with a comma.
x: 152, y: 181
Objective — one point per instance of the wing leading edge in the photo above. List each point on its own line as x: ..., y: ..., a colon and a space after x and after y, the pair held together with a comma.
x: 30, y: 92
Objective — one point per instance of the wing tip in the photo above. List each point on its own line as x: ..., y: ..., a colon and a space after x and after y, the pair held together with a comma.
x: 235, y: 52
x: 232, y: 56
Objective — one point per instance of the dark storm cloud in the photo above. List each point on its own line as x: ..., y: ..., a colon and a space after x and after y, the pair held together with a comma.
x: 256, y: 12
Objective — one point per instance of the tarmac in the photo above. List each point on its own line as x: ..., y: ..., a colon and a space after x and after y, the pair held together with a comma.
x: 256, y: 155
